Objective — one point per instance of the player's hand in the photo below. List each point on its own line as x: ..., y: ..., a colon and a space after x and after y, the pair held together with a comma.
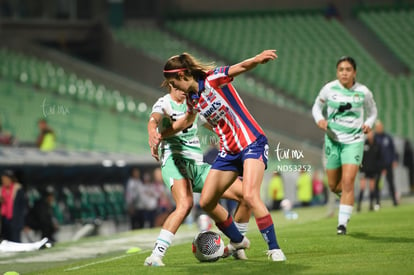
x: 265, y: 56
x: 366, y: 129
x: 323, y: 124
x: 154, y: 153
x: 154, y: 138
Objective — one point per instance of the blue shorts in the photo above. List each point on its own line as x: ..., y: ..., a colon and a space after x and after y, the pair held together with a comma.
x: 259, y: 149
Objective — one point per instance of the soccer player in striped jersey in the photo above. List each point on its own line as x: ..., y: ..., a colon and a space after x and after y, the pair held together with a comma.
x: 243, y: 144
x: 184, y: 171
x: 345, y: 127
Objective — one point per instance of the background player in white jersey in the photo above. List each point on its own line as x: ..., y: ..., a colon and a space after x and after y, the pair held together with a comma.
x: 183, y: 171
x: 345, y: 127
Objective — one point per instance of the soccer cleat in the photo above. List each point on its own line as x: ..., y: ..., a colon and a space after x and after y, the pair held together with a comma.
x: 245, y: 243
x: 341, y: 230
x: 240, y: 254
x: 276, y: 255
x: 233, y: 247
x: 153, y: 261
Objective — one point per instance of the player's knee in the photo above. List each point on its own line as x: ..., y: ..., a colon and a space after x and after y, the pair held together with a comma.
x: 347, y: 184
x: 207, y: 205
x: 204, y: 205
x: 250, y: 199
x: 185, y: 205
x: 244, y: 204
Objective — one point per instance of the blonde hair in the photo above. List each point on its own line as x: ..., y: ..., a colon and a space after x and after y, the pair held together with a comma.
x: 187, y: 64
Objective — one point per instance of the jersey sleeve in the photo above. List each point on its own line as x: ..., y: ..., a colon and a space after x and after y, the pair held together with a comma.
x: 320, y: 102
x: 220, y: 76
x: 371, y: 109
x: 158, y: 107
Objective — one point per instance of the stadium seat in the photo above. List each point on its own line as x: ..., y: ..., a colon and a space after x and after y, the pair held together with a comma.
x: 308, y: 46
x: 34, y: 88
x: 394, y: 28
x: 162, y: 45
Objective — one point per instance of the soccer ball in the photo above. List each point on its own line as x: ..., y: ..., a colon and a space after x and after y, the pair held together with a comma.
x: 208, y: 246
x: 204, y: 223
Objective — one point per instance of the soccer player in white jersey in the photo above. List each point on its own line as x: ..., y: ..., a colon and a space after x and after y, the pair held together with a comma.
x: 243, y: 143
x: 345, y: 126
x: 184, y: 172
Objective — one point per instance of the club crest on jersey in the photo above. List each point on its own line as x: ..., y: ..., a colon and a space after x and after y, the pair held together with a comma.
x: 356, y: 98
x: 211, y: 96
x: 218, y: 70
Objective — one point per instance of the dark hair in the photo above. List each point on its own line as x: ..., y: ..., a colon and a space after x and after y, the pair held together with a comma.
x: 10, y: 174
x: 349, y: 59
x: 188, y: 64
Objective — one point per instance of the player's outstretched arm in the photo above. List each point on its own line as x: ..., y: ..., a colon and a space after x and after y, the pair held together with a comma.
x: 179, y: 125
x: 250, y: 63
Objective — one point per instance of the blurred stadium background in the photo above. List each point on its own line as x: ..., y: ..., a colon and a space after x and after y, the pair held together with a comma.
x: 93, y: 70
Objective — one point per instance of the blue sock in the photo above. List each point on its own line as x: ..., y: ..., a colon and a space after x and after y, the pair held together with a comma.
x: 267, y: 229
x: 230, y: 230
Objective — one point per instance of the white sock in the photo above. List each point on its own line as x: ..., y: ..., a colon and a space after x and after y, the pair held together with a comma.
x: 164, y: 241
x: 242, y: 227
x: 344, y: 215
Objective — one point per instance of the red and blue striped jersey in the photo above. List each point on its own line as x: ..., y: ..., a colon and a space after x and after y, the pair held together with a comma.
x: 221, y: 106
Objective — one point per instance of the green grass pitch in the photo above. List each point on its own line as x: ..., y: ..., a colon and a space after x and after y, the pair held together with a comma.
x: 377, y: 243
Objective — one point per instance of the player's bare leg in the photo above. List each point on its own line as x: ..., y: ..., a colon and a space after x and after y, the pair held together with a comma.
x: 252, y: 180
x: 346, y: 204
x: 217, y: 182
x: 334, y: 180
x: 183, y: 196
x: 215, y: 185
x: 241, y: 215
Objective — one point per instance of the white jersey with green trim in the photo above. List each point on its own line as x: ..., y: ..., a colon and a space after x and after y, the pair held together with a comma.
x: 184, y: 143
x: 345, y: 111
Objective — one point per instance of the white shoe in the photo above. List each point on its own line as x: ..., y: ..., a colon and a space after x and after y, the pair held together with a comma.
x: 245, y: 243
x: 153, y: 261
x: 276, y: 255
x: 240, y: 254
x: 233, y: 247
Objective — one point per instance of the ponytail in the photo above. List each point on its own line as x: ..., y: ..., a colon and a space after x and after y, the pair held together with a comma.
x: 188, y: 64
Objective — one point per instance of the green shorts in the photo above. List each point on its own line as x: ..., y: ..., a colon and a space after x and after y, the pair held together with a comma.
x: 176, y: 168
x: 337, y: 154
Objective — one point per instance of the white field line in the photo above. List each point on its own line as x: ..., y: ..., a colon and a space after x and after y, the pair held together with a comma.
x: 103, y: 261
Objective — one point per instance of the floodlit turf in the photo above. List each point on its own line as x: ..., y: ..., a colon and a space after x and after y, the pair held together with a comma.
x: 377, y: 243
